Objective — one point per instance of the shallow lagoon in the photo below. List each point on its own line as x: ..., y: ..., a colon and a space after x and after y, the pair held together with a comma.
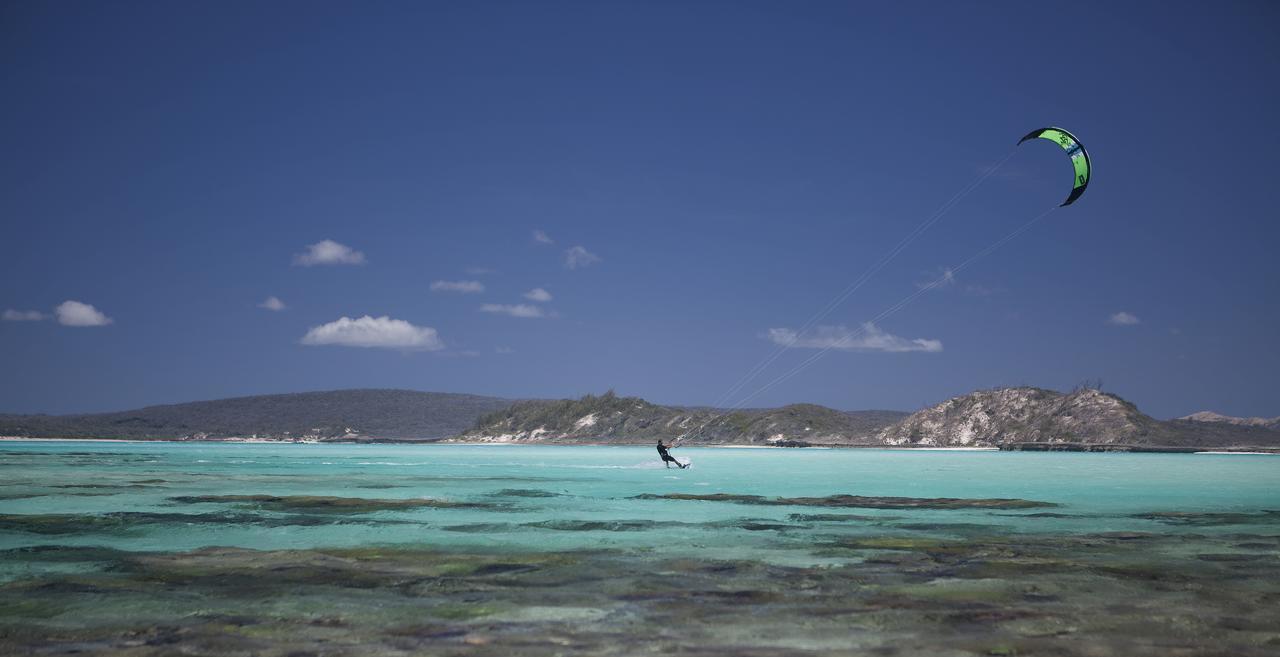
x: 156, y: 548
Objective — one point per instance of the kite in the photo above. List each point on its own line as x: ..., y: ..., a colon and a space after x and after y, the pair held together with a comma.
x: 1073, y: 147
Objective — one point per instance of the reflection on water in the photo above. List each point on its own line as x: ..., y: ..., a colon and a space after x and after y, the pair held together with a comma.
x: 150, y: 549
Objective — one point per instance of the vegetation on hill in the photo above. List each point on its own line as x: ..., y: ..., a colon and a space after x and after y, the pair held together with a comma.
x: 337, y: 414
x: 611, y: 418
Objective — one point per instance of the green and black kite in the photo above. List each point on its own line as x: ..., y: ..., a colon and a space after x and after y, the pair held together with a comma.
x: 1073, y: 147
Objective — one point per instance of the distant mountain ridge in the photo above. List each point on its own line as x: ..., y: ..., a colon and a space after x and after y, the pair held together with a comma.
x: 329, y: 415
x: 1008, y: 418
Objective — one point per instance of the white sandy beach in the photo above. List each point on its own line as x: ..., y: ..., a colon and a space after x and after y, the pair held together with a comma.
x: 77, y: 440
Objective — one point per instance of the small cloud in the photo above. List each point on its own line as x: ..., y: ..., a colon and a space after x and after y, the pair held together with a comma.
x: 12, y: 315
x: 328, y: 252
x: 463, y: 287
x: 369, y: 331
x: 273, y: 304
x: 75, y: 313
x: 1123, y: 319
x: 503, y: 350
x: 541, y: 238
x: 578, y: 256
x: 867, y: 338
x: 514, y: 310
x: 538, y: 294
x: 944, y: 278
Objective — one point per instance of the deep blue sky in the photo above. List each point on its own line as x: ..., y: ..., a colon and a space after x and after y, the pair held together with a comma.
x: 732, y: 165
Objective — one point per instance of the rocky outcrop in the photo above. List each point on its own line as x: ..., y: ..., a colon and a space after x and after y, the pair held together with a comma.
x: 1046, y: 418
x: 989, y: 418
x: 1272, y: 423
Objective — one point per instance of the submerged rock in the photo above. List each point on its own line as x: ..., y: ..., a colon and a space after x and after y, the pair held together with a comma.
x: 125, y: 522
x: 601, y: 525
x: 856, y: 501
x: 1211, y: 518
x: 525, y: 492
x: 1006, y: 594
x: 325, y: 503
x: 837, y: 517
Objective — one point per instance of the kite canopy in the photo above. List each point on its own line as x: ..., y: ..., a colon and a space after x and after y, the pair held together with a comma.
x: 1073, y: 147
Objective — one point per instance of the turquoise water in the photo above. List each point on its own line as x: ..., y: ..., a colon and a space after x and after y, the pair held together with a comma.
x: 128, y: 516
x: 597, y: 483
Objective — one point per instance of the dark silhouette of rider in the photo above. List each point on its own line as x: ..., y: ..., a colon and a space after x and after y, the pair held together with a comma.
x: 667, y: 459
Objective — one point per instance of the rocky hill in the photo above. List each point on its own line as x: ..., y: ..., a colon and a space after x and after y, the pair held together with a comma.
x: 1036, y: 417
x: 609, y: 418
x: 337, y: 414
x: 1272, y: 423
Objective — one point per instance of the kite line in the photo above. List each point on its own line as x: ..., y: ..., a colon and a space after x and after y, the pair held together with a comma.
x: 1083, y: 171
x: 853, y: 287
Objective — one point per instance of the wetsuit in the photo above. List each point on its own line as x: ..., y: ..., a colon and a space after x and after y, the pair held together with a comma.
x: 667, y: 459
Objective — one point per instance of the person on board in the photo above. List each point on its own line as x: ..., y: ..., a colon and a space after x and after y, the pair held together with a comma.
x: 667, y: 458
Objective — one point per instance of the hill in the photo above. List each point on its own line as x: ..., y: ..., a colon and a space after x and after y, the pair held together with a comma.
x: 1272, y: 423
x: 337, y: 414
x: 1034, y: 418
x: 614, y: 419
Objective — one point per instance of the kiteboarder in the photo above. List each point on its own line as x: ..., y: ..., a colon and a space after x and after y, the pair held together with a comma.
x: 667, y: 458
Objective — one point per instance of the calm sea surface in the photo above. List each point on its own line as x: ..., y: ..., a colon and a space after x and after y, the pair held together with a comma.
x: 133, y: 548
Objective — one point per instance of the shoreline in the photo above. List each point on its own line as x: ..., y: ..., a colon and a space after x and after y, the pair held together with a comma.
x: 1207, y: 451
x: 19, y: 439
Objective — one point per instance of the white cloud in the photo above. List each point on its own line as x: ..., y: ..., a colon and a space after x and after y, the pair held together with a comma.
x: 945, y: 278
x: 12, y: 315
x: 374, y: 332
x: 541, y: 238
x: 75, y: 313
x: 464, y: 287
x: 578, y: 256
x: 538, y: 294
x: 273, y: 303
x: 328, y: 252
x: 1123, y: 319
x: 503, y: 350
x: 515, y: 310
x: 867, y: 338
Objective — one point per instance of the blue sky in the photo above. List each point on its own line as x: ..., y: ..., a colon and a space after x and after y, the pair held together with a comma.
x: 725, y: 169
